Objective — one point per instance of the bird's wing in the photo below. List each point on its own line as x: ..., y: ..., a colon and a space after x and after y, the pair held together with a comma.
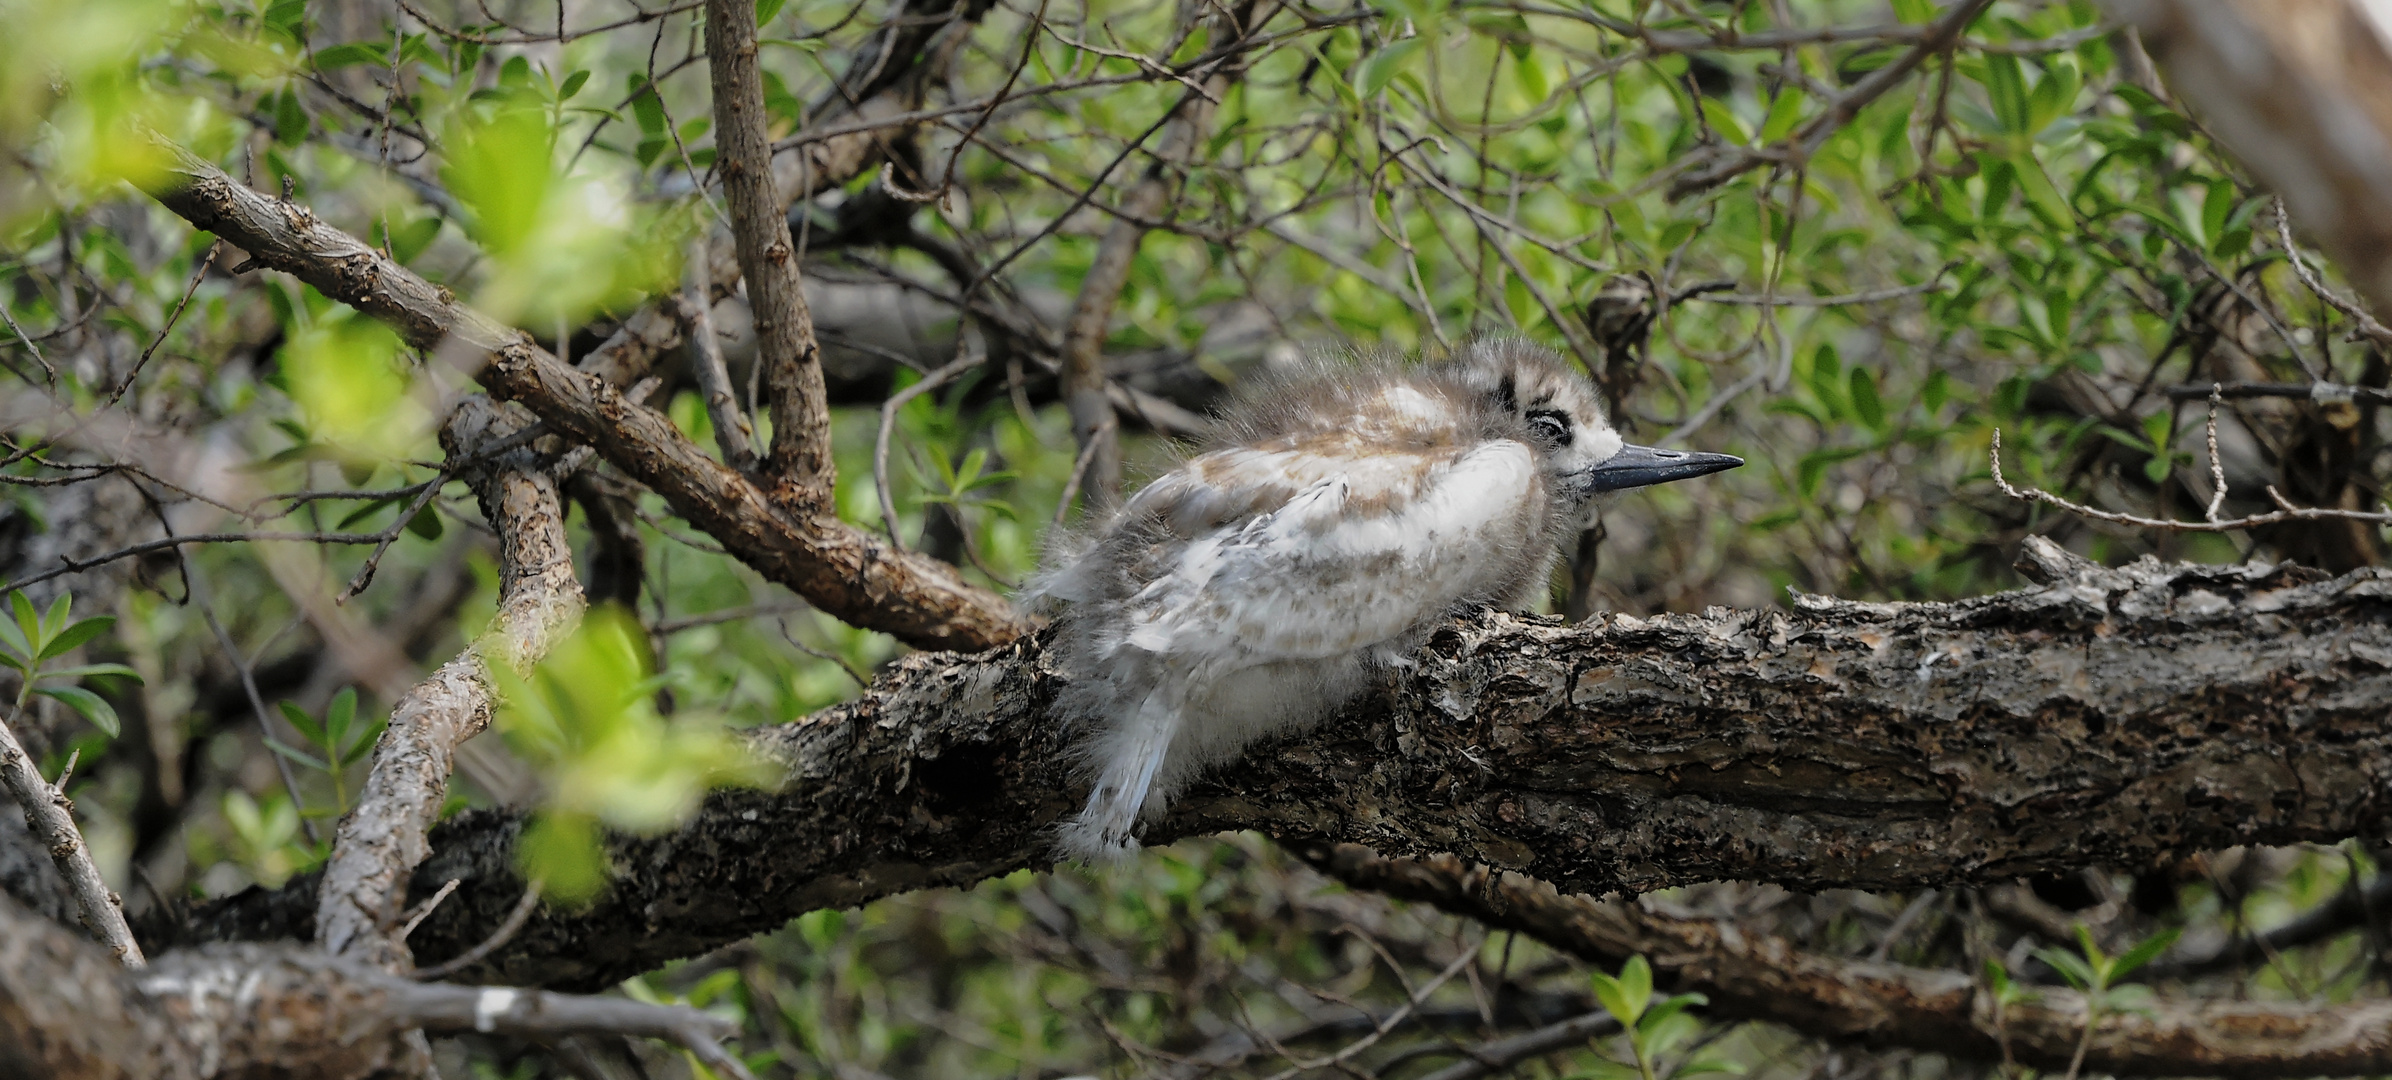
x: 1359, y: 552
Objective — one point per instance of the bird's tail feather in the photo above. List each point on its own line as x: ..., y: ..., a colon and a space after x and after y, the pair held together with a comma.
x: 1129, y: 755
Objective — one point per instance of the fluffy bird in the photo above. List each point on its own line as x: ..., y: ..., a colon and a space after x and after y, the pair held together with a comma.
x: 1339, y: 516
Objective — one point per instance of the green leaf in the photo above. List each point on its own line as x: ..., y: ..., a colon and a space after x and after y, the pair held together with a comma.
x: 2054, y: 97
x: 2071, y: 967
x: 426, y: 523
x: 76, y: 634
x: 290, y: 120
x: 99, y: 712
x: 364, y: 745
x: 93, y: 671
x: 351, y: 53
x: 1937, y: 391
x: 2144, y: 952
x: 1723, y: 120
x: 53, y: 622
x: 766, y: 9
x: 289, y: 17
x: 646, y: 107
x: 299, y: 720
x: 2007, y: 89
x: 1625, y: 997
x: 1865, y: 403
x: 1784, y: 113
x: 573, y: 84
x: 1534, y: 84
x: 28, y: 621
x: 1382, y: 68
x: 1663, y: 1010
x: 339, y: 715
x: 295, y: 754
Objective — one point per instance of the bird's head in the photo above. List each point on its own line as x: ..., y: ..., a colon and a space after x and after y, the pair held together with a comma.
x: 1538, y: 398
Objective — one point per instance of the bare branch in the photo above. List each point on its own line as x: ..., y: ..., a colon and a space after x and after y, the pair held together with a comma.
x: 383, y: 840
x: 68, y: 1014
x: 800, y: 466
x: 50, y: 816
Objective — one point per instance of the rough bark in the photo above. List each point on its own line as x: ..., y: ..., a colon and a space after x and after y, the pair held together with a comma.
x: 839, y: 568
x: 1760, y: 977
x: 2122, y: 718
x: 381, y: 841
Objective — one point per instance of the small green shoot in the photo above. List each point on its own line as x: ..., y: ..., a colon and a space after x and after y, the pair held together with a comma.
x: 33, y: 639
x: 337, y: 741
x: 1654, y: 1028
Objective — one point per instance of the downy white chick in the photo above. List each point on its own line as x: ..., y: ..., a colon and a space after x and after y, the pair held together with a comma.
x: 1339, y: 515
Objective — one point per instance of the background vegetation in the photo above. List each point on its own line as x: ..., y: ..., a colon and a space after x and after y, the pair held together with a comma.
x: 1704, y: 202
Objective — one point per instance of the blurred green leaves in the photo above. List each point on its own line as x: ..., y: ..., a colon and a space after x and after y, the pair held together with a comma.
x: 586, y: 718
x: 562, y: 244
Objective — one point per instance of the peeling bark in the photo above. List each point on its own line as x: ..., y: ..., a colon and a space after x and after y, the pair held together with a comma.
x: 2122, y: 718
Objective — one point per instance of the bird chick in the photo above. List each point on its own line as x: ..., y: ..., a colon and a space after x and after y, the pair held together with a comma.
x: 1340, y: 515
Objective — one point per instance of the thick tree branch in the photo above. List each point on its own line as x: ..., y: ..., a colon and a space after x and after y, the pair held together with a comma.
x: 837, y: 567
x: 2122, y: 718
x: 1759, y: 977
x: 800, y: 465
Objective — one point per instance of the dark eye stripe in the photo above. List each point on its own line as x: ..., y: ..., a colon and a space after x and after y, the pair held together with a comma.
x: 1553, y: 424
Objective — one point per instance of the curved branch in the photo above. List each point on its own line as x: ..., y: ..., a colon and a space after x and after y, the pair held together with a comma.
x: 836, y: 566
x: 380, y: 843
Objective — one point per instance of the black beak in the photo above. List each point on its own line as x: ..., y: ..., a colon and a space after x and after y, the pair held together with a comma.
x: 1644, y: 466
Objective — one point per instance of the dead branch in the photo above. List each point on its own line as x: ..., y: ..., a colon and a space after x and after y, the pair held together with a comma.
x: 50, y: 817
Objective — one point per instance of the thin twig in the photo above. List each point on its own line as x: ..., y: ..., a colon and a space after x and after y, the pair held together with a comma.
x: 731, y: 429
x: 2368, y: 326
x: 365, y: 573
x: 888, y: 420
x: 2285, y: 512
x: 1079, y: 469
x: 30, y: 347
x: 188, y: 292
x: 506, y: 932
x: 424, y: 910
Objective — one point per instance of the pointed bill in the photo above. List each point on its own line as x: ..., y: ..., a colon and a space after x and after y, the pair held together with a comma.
x: 1644, y: 466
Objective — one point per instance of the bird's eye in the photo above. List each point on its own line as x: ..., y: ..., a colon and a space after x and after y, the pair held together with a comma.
x: 1550, y: 424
